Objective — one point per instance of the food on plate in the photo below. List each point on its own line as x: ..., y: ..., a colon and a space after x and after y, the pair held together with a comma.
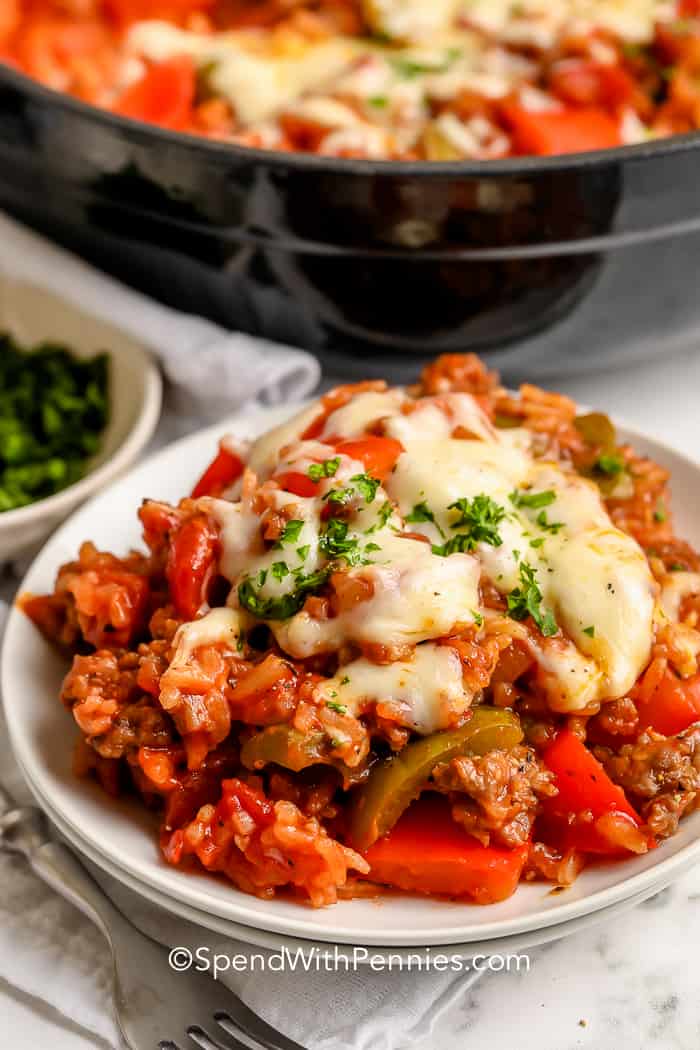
x: 53, y: 410
x: 440, y: 638
x: 389, y: 79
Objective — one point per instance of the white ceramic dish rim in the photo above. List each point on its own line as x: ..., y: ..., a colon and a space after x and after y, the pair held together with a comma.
x: 270, y: 941
x: 250, y: 912
x: 99, y: 476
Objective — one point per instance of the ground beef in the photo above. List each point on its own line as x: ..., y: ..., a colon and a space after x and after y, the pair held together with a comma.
x: 142, y: 724
x: 311, y: 792
x: 616, y: 718
x: 663, y: 773
x: 502, y: 788
x: 102, y: 692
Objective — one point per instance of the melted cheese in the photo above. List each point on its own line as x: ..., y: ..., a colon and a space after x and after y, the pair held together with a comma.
x: 416, y: 596
x: 677, y: 586
x: 244, y: 552
x: 265, y: 452
x: 600, y: 585
x: 364, y: 409
x: 540, y: 22
x: 218, y: 627
x: 406, y: 20
x: 257, y: 80
x: 425, y: 694
x: 593, y: 578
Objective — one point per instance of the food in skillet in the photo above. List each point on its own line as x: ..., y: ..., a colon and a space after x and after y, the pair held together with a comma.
x: 440, y: 638
x: 394, y: 79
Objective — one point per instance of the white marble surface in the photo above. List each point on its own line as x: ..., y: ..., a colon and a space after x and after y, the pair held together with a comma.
x: 630, y: 983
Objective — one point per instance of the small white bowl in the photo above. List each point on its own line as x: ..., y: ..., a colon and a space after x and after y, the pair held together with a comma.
x: 31, y: 316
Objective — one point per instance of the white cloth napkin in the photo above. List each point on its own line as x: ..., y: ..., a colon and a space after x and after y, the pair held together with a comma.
x: 214, y: 370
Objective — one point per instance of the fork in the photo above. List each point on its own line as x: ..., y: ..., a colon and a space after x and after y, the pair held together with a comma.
x: 156, y: 1007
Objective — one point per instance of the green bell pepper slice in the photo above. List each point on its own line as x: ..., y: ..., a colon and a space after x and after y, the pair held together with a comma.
x: 398, y: 780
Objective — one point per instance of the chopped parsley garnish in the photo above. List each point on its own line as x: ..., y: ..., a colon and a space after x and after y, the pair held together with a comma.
x: 339, y: 496
x: 610, y: 464
x: 344, y: 680
x: 284, y: 606
x: 366, y: 486
x: 478, y: 618
x: 261, y: 577
x: 590, y: 631
x: 481, y: 516
x: 335, y: 542
x: 534, y: 500
x: 385, y: 512
x: 422, y: 512
x: 279, y: 570
x: 660, y: 514
x: 291, y: 532
x: 549, y: 526
x: 371, y: 547
x: 526, y: 600
x: 340, y: 709
x: 359, y: 483
x: 462, y: 543
x: 538, y: 542
x: 303, y: 552
x: 410, y: 67
x: 326, y: 469
x: 379, y: 101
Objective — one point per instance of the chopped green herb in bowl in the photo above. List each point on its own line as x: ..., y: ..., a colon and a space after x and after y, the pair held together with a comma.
x: 54, y: 408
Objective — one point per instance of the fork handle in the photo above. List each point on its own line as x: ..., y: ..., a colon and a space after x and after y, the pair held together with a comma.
x: 25, y: 830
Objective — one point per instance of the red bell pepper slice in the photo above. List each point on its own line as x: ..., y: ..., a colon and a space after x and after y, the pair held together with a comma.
x: 428, y: 852
x: 594, y: 84
x: 297, y: 483
x: 672, y: 707
x: 550, y: 132
x: 191, y: 565
x: 221, y: 472
x: 164, y: 95
x: 378, y: 454
x: 584, y: 787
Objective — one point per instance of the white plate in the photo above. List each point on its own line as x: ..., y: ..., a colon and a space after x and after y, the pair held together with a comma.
x: 161, y: 916
x: 124, y: 833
